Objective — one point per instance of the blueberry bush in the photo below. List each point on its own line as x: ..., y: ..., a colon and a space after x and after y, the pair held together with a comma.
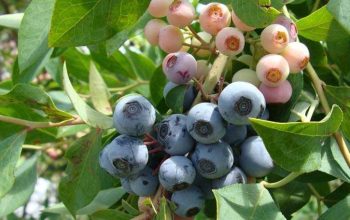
x: 176, y: 109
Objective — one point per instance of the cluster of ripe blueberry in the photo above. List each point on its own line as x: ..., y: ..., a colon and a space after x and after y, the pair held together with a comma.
x: 209, y: 147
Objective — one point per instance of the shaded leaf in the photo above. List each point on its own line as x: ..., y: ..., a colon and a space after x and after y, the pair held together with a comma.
x: 296, y: 146
x: 25, y: 99
x: 338, y: 211
x: 22, y: 189
x: 340, y: 10
x: 175, y: 98
x: 10, y: 151
x: 246, y: 201
x: 340, y: 193
x: 33, y: 50
x: 156, y: 86
x: 110, y: 214
x: 84, y: 178
x: 87, y: 114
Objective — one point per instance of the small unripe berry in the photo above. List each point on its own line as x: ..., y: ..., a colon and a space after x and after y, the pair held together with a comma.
x: 246, y: 75
x: 181, y: 13
x: 297, y: 56
x: 289, y: 25
x: 246, y: 59
x: 274, y: 38
x: 206, y: 38
x: 159, y: 8
x: 179, y: 67
x: 280, y: 94
x: 152, y: 30
x: 214, y: 17
x: 230, y: 41
x: 240, y: 24
x: 272, y: 70
x: 170, y: 39
x: 203, y: 69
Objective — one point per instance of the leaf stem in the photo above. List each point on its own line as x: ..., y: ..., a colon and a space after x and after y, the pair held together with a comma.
x: 33, y: 125
x: 283, y: 181
x: 213, y: 77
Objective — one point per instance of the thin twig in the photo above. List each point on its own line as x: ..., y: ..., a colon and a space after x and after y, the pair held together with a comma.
x: 283, y: 181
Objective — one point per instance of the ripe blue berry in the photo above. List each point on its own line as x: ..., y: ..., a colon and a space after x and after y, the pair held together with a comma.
x: 255, y: 160
x: 212, y: 160
x: 205, y: 123
x: 239, y: 101
x: 134, y: 115
x: 188, y: 202
x: 236, y: 175
x: 144, y: 183
x: 128, y: 155
x: 176, y: 173
x: 235, y: 134
x: 179, y: 67
x: 172, y: 133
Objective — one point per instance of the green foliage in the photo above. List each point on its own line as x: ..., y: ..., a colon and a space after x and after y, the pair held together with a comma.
x: 295, y: 146
x: 316, y: 25
x: 246, y: 201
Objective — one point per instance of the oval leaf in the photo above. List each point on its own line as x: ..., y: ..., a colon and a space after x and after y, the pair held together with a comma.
x: 296, y: 146
x: 87, y: 114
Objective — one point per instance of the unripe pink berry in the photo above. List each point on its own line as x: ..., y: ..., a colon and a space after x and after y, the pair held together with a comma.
x: 246, y: 75
x: 274, y: 38
x: 280, y: 94
x: 214, y: 17
x: 272, y: 70
x: 297, y: 56
x: 152, y: 30
x: 181, y: 13
x: 170, y: 39
x: 230, y: 41
x: 159, y: 8
x: 179, y: 67
x: 289, y: 25
x: 203, y: 69
x: 206, y: 38
x: 240, y: 24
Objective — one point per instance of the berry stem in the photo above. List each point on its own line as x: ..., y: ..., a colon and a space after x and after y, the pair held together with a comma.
x: 318, y: 86
x: 35, y: 125
x: 282, y: 182
x: 213, y: 77
x: 194, y: 33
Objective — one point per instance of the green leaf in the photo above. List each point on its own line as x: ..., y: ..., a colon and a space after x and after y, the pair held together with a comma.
x: 175, y: 98
x: 129, y: 208
x: 251, y: 13
x: 341, y: 96
x: 33, y: 48
x: 291, y: 197
x: 340, y: 193
x: 338, y: 45
x: 99, y: 91
x: 22, y: 189
x: 113, y: 44
x: 156, y: 86
x: 103, y: 200
x: 55, y: 68
x: 340, y: 10
x: 84, y: 178
x: 111, y: 214
x: 87, y: 114
x: 11, y: 20
x: 10, y: 151
x: 78, y: 64
x: 25, y: 99
x: 316, y: 25
x: 296, y: 146
x: 80, y: 22
x: 338, y: 211
x: 141, y: 65
x: 246, y: 201
x: 164, y: 210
